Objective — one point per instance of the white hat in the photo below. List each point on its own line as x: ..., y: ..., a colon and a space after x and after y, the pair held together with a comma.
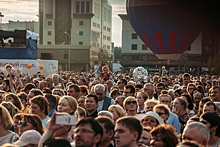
x: 156, y: 116
x: 29, y: 137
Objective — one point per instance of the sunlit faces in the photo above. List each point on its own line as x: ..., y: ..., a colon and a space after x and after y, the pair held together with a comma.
x: 165, y: 100
x: 208, y: 108
x: 123, y: 136
x: 149, y: 121
x: 149, y: 107
x: 114, y: 113
x: 90, y: 104
x: 10, y: 99
x: 145, y: 138
x: 64, y: 106
x: 157, y: 141
x: 161, y: 113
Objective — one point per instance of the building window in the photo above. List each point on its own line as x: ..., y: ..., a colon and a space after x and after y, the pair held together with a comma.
x: 82, y: 7
x: 108, y: 38
x: 134, y: 47
x: 49, y: 42
x: 48, y: 56
x: 108, y: 47
x: 49, y: 33
x: 104, y: 37
x: 94, y: 24
x: 77, y: 7
x: 104, y: 28
x: 134, y: 36
x: 108, y: 29
x: 144, y: 47
x: 80, y: 43
x: 98, y: 25
x: 87, y: 7
x: 81, y: 23
x: 49, y: 23
x: 65, y: 56
x: 80, y: 33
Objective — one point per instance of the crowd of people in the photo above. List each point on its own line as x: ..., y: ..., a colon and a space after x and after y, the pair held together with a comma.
x: 111, y: 110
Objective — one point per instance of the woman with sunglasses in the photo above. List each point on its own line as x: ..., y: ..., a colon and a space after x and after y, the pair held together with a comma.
x: 163, y: 111
x: 30, y: 122
x: 130, y: 106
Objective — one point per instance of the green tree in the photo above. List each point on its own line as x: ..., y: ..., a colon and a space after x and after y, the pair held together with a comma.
x: 117, y: 53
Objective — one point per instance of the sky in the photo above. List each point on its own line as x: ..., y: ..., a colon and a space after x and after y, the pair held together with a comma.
x: 27, y: 10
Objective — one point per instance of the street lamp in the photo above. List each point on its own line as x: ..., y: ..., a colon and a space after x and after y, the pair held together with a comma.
x: 68, y: 50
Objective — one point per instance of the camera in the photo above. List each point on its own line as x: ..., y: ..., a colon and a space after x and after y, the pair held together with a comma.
x: 69, y: 120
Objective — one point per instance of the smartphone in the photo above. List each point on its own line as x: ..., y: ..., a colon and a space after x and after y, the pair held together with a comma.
x: 69, y: 120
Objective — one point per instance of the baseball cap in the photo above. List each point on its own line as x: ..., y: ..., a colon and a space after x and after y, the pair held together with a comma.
x: 29, y: 137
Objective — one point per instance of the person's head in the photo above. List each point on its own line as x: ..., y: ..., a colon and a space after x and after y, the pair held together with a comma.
x: 30, y: 137
x: 58, y: 91
x: 117, y: 111
x: 30, y: 122
x: 91, y: 102
x: 149, y: 89
x: 81, y: 101
x: 100, y: 91
x: 149, y: 105
x: 145, y: 137
x: 197, y: 132
x: 128, y: 131
x: 14, y: 99
x: 39, y: 106
x: 217, y: 107
x: 209, y: 107
x: 212, y: 122
x: 201, y: 104
x: 34, y: 92
x: 129, y: 90
x: 67, y: 104
x: 215, y: 93
x: 80, y: 113
x: 187, y: 143
x: 114, y: 93
x: 186, y: 78
x: 108, y: 129
x: 152, y: 119
x: 164, y: 136
x: 5, y: 85
x: 164, y: 99
x: 179, y: 104
x: 141, y: 98
x: 178, y: 93
x: 55, y: 78
x: 159, y: 88
x: 106, y: 113
x: 88, y: 132
x: 12, y: 109
x: 17, y: 117
x: 130, y: 104
x: 190, y: 88
x: 23, y: 97
x: 73, y: 90
x: 56, y: 143
x: 119, y: 100
x: 197, y: 96
x: 52, y: 101
x: 188, y: 100
x: 162, y: 110
x: 5, y: 118
x: 28, y: 87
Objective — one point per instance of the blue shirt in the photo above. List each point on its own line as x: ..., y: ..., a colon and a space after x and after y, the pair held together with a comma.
x: 173, y: 120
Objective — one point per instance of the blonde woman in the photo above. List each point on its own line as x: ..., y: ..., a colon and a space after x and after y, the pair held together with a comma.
x: 117, y: 111
x: 130, y: 106
x: 6, y: 122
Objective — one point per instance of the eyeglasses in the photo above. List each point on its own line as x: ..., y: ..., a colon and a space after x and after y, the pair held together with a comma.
x: 98, y: 93
x: 160, y: 113
x: 22, y: 123
x: 83, y: 131
x: 132, y: 102
x: 126, y: 92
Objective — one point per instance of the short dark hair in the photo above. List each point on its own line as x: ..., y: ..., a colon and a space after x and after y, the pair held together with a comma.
x: 211, y: 103
x: 96, y: 127
x: 94, y: 96
x: 132, y: 123
x: 214, y: 119
x: 108, y: 123
x: 52, y: 100
x: 75, y: 86
x: 131, y: 87
x: 41, y: 101
x: 56, y: 143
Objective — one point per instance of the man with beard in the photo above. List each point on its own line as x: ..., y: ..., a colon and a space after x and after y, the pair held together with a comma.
x: 88, y: 133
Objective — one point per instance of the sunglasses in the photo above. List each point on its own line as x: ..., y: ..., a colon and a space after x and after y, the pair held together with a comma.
x: 132, y: 102
x: 22, y: 123
x: 160, y: 113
